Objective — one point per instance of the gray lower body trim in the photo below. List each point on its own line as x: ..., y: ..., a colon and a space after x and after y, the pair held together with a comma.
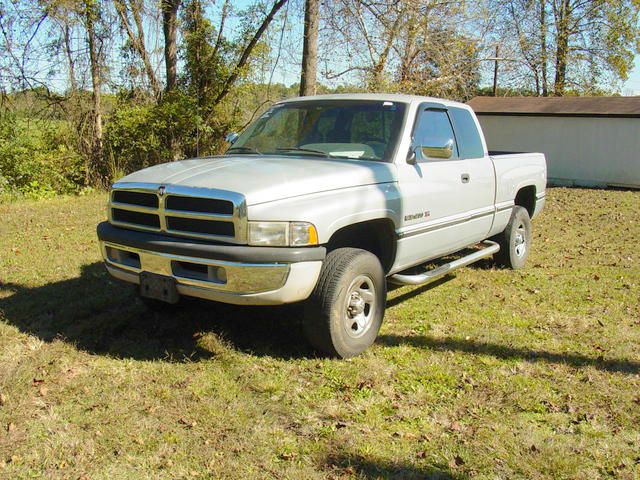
x: 438, y: 226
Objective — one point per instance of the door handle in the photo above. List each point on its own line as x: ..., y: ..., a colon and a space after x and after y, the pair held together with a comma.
x: 465, y: 177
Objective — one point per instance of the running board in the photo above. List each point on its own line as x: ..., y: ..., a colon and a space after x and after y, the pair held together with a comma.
x: 441, y: 271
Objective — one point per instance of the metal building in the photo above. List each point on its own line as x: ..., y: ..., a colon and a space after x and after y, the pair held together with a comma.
x: 588, y: 141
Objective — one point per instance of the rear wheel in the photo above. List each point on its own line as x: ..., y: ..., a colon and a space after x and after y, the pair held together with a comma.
x: 515, y: 241
x: 345, y: 311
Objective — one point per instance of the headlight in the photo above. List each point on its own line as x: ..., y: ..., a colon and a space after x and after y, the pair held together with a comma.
x: 282, y: 234
x: 302, y: 234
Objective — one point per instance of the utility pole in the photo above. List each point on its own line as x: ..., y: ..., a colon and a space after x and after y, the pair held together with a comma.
x: 495, y: 71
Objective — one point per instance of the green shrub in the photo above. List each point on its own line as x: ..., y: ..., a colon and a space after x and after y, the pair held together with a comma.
x: 138, y: 136
x: 37, y: 158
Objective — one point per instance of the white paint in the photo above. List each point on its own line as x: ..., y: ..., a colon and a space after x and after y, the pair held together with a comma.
x: 586, y: 151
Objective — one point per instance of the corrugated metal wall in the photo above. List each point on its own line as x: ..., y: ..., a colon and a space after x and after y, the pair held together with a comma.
x: 582, y: 151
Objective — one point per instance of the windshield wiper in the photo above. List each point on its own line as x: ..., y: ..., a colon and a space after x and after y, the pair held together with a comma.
x: 244, y: 149
x: 304, y: 150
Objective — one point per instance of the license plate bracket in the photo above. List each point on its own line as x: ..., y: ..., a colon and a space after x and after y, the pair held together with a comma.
x: 158, y: 287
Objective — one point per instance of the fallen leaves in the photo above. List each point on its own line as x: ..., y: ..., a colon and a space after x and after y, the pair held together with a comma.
x: 455, y: 427
x: 187, y: 423
x: 288, y: 456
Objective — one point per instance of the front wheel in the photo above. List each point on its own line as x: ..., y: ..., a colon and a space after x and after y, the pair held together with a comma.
x: 345, y: 311
x: 515, y: 241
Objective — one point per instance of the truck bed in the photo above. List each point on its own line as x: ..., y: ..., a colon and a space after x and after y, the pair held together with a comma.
x: 516, y: 170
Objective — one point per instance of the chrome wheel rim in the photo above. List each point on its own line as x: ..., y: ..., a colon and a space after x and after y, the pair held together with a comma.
x: 359, y: 306
x: 521, y: 241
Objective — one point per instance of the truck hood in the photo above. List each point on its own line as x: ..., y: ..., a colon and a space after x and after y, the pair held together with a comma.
x: 265, y: 179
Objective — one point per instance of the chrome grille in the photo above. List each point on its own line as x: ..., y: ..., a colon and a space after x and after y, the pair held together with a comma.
x: 182, y: 211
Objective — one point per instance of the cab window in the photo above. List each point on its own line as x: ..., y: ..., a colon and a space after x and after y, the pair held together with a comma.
x: 434, y: 128
x: 468, y: 136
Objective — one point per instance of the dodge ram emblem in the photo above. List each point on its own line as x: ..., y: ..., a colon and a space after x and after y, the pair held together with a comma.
x: 161, y: 190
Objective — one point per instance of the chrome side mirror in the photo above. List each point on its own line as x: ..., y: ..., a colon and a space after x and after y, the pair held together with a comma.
x: 412, y: 156
x: 231, y: 137
x: 438, y: 148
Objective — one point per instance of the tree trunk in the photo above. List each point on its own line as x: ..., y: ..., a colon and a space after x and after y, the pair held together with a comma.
x: 381, y: 63
x: 409, y: 43
x: 562, y: 48
x: 246, y: 53
x: 310, y: 48
x: 169, y: 27
x: 138, y: 40
x: 67, y: 51
x: 96, y: 171
x: 543, y: 47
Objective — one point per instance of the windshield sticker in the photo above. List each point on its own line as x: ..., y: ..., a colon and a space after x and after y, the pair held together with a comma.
x: 350, y: 154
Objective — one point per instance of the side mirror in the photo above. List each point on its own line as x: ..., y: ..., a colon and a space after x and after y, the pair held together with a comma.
x: 438, y: 148
x: 231, y: 137
x: 412, y: 156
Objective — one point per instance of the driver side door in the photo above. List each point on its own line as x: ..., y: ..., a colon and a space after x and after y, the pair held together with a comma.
x: 447, y: 200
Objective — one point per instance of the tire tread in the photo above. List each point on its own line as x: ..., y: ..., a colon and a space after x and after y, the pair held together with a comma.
x: 317, y: 322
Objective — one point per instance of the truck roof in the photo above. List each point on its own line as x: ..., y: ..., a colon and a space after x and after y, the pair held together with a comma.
x: 389, y: 97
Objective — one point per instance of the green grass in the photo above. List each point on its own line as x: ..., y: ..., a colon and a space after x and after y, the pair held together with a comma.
x: 488, y: 374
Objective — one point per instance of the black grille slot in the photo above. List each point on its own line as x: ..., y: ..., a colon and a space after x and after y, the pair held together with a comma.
x: 136, y: 198
x: 207, y: 227
x: 136, y: 218
x: 201, y: 205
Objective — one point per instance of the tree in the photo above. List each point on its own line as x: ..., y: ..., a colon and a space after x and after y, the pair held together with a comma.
x: 169, y: 10
x: 367, y: 33
x: 137, y: 38
x: 310, y: 48
x: 410, y: 46
x: 579, y: 45
x: 97, y: 172
x: 248, y: 50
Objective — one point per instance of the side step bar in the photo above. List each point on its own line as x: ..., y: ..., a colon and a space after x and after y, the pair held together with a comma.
x: 441, y: 271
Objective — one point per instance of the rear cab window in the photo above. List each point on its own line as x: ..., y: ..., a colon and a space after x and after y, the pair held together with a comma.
x: 467, y: 134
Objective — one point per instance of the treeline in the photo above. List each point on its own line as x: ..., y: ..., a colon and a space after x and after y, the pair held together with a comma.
x: 93, y: 89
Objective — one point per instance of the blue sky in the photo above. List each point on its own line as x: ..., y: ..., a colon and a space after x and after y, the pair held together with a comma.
x: 633, y: 83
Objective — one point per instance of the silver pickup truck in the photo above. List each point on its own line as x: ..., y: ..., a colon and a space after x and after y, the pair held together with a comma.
x: 325, y: 199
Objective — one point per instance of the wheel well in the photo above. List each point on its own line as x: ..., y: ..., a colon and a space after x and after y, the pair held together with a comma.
x: 526, y: 197
x: 375, y: 236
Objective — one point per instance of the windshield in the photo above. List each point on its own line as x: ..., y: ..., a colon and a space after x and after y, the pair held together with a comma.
x: 364, y: 130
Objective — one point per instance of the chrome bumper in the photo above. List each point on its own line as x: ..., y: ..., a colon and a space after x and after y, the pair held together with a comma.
x: 222, y: 281
x: 237, y: 274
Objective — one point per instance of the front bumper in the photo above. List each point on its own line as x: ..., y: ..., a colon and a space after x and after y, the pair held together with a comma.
x: 223, y: 273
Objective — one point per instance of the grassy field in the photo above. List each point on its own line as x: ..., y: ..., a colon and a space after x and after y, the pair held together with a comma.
x: 488, y: 374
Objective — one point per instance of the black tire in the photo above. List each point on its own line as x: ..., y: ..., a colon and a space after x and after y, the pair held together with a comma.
x: 515, y: 241
x: 345, y: 311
